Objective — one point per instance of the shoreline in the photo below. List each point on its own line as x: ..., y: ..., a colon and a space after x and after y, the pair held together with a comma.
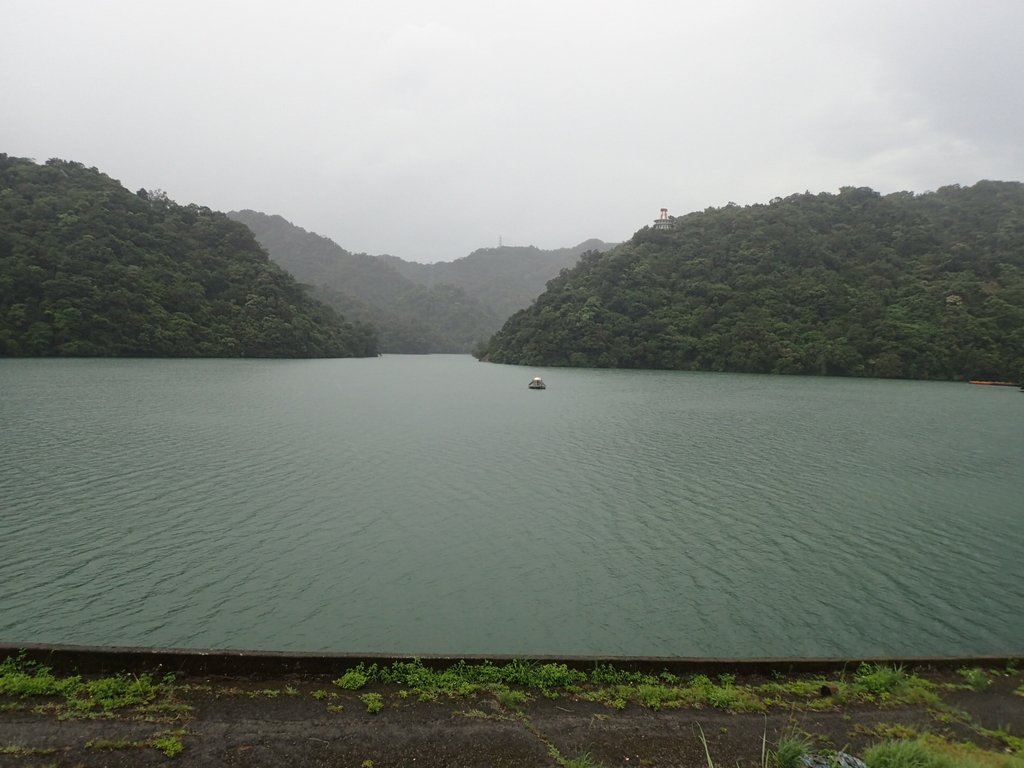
x: 170, y: 705
x: 94, y: 659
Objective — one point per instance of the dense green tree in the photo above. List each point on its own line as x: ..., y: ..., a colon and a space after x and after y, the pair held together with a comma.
x: 89, y: 269
x: 924, y: 286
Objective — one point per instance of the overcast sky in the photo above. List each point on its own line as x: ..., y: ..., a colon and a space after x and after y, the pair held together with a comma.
x: 429, y: 129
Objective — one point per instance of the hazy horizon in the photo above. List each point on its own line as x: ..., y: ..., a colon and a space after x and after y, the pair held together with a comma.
x: 428, y: 131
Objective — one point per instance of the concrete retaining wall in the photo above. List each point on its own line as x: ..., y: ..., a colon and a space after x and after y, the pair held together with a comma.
x: 274, y: 664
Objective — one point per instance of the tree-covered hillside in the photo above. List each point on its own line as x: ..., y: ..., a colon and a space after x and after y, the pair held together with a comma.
x: 409, y: 317
x: 503, y: 279
x: 89, y: 269
x: 927, y: 286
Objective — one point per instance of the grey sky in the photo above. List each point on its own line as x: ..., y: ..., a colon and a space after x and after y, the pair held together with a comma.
x: 429, y: 129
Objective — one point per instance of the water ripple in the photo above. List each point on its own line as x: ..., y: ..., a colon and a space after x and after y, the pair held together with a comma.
x: 432, y: 504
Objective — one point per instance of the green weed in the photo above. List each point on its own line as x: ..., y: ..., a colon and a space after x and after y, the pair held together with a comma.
x: 477, y: 714
x: 582, y: 761
x: 790, y: 750
x: 934, y: 752
x: 704, y: 743
x: 788, y: 753
x: 169, y: 744
x: 799, y: 688
x: 606, y: 674
x: 464, y: 679
x: 511, y: 699
x: 975, y: 678
x: 877, y: 679
x: 1014, y: 743
x: 889, y: 686
x: 657, y: 696
x: 886, y: 731
x: 82, y: 698
x: 354, y: 679
x: 702, y: 692
x: 20, y: 751
x: 374, y: 702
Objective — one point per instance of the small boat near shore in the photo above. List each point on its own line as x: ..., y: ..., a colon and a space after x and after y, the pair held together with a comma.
x: 996, y: 383
x: 537, y: 383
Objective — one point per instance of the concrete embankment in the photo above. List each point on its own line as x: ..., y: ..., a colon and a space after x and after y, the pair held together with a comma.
x: 97, y: 707
x: 91, y: 659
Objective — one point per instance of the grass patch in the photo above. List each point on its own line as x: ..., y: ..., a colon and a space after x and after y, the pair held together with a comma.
x: 900, y: 754
x: 1013, y: 743
x: 478, y: 714
x: 934, y: 752
x: 975, y: 678
x: 169, y: 744
x: 84, y: 697
x: 887, y: 731
x: 725, y: 695
x: 878, y: 680
x: 374, y: 702
x: 607, y: 675
x: 699, y: 692
x: 790, y: 750
x: 796, y: 688
x: 354, y: 679
x: 581, y: 761
x: 510, y: 698
x: 464, y: 679
x: 12, y: 750
x: 887, y: 686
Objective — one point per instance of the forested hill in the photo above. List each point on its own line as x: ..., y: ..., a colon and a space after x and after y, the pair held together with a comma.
x: 89, y: 269
x: 503, y: 279
x: 410, y: 317
x: 927, y: 286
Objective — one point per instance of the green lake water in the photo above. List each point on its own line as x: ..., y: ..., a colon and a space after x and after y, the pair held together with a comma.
x: 436, y: 505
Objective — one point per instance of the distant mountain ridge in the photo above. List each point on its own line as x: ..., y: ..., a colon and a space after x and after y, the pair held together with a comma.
x: 444, y: 307
x: 409, y: 317
x: 504, y: 279
x: 88, y: 268
x: 924, y: 286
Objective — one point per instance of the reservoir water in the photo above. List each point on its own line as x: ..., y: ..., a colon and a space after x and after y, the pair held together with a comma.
x: 436, y: 505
